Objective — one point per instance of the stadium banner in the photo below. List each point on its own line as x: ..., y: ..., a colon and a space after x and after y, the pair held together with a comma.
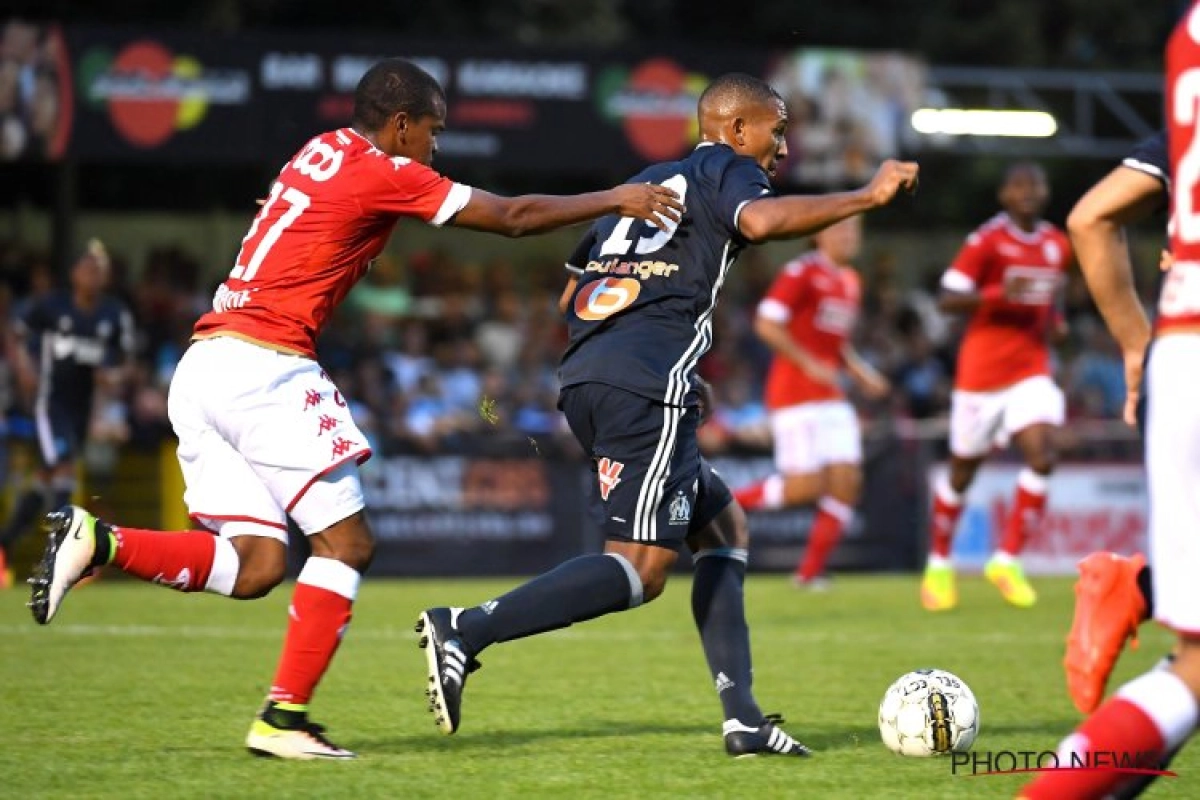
x: 469, y: 515
x: 178, y: 96
x: 1091, y: 507
x: 486, y: 515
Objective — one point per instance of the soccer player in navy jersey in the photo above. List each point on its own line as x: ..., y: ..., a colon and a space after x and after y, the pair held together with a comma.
x: 67, y: 341
x: 639, y: 319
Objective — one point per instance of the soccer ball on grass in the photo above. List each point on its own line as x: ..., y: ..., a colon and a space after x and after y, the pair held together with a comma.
x: 928, y: 712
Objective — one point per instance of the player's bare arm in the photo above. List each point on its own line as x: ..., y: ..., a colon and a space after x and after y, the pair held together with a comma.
x: 777, y: 337
x: 870, y: 380
x: 800, y: 215
x: 530, y: 214
x: 564, y: 300
x: 1097, y: 229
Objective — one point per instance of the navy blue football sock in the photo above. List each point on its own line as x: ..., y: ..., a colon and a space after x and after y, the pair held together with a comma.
x: 577, y: 590
x: 1145, y: 582
x: 28, y: 507
x: 60, y: 495
x: 719, y: 609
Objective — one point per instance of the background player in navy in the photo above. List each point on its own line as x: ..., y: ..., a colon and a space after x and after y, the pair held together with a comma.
x: 639, y: 320
x: 68, y: 339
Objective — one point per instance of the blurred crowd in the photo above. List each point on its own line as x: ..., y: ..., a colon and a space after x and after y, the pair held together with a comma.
x: 432, y: 351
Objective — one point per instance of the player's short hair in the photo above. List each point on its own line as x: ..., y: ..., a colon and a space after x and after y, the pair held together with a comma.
x: 391, y: 86
x: 735, y: 90
x: 1018, y: 167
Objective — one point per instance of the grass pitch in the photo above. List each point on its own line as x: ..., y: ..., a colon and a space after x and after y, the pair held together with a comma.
x: 138, y: 692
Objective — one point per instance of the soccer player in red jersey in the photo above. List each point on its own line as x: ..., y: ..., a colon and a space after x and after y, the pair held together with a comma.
x: 264, y: 434
x: 806, y: 318
x: 1114, y: 593
x: 1154, y: 714
x: 1008, y: 277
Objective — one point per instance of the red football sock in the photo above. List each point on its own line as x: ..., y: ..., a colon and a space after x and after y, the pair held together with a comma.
x: 764, y: 494
x: 181, y: 560
x: 947, y: 508
x: 832, y: 518
x: 317, y: 618
x: 1147, y: 717
x: 1029, y: 506
x: 1118, y: 731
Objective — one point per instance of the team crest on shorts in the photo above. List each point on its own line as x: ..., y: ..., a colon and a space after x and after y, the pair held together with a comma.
x: 608, y: 472
x: 681, y: 510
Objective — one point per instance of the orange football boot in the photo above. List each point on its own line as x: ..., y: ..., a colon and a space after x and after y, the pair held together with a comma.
x: 1108, y: 609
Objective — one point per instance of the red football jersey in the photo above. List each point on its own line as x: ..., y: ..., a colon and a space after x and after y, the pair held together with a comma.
x: 328, y: 214
x: 819, y: 302
x: 1006, y: 342
x: 1179, y: 303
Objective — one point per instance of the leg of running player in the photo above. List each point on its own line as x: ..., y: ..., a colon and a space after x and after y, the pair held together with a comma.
x: 938, y: 589
x: 720, y: 550
x: 835, y: 510
x: 1150, y: 717
x: 1039, y: 401
x: 299, y: 455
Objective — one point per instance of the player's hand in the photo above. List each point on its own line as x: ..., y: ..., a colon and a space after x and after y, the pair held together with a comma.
x: 1133, y: 385
x: 650, y: 202
x: 1166, y: 260
x: 875, y: 386
x: 820, y: 372
x: 704, y: 395
x: 890, y: 178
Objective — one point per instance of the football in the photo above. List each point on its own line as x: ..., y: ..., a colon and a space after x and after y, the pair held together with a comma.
x: 928, y: 712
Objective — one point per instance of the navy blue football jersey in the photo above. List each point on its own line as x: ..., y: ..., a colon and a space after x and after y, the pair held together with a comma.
x: 68, y: 344
x: 641, y: 314
x: 1150, y: 156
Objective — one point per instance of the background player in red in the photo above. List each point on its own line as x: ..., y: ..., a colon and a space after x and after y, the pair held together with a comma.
x: 1154, y: 714
x: 264, y: 435
x: 1008, y: 277
x: 806, y: 318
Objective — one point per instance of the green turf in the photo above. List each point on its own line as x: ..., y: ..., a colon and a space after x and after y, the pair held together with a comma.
x: 136, y: 691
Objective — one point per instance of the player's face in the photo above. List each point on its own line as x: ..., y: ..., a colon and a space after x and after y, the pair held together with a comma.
x: 1025, y: 192
x: 90, y: 275
x: 416, y: 137
x: 763, y: 137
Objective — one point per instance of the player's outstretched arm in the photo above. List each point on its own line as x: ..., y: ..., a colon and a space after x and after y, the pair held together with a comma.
x: 793, y: 216
x: 1097, y: 229
x: 538, y: 213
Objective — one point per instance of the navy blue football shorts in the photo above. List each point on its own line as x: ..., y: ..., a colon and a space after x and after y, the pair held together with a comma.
x: 651, y: 483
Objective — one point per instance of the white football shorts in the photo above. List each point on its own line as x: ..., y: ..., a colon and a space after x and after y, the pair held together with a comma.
x: 263, y: 436
x: 982, y: 420
x: 810, y: 436
x: 1173, y: 467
